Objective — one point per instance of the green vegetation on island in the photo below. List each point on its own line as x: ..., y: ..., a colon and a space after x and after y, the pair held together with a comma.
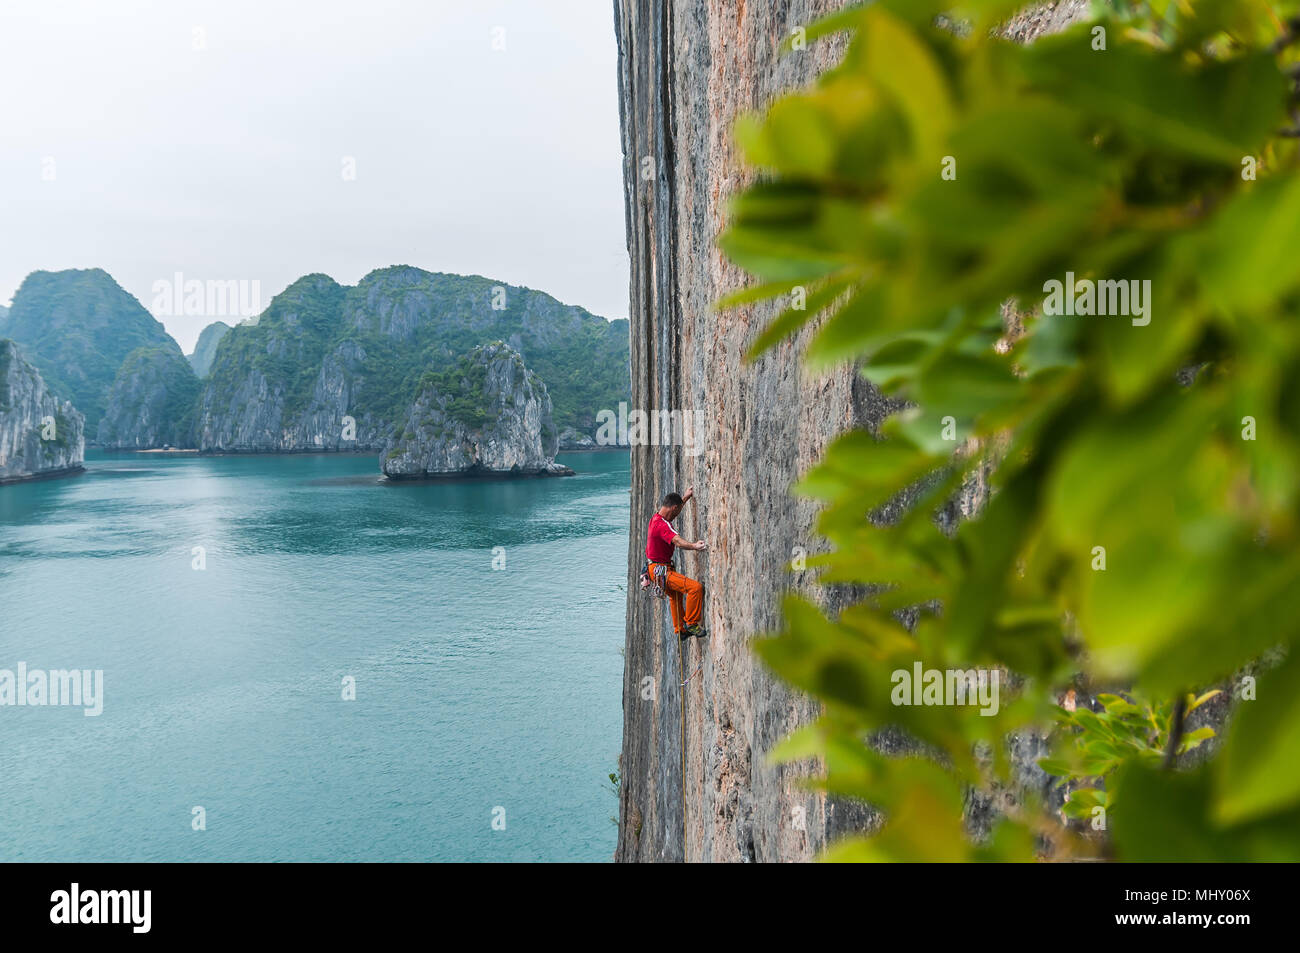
x: 382, y: 338
x: 153, y: 401
x: 76, y: 327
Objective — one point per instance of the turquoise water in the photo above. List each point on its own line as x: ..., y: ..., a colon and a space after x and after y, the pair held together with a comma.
x: 476, y: 689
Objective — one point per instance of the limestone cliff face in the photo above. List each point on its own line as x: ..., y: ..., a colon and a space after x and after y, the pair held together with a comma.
x: 151, y: 402
x: 687, y: 70
x: 76, y: 327
x: 488, y: 415
x: 328, y: 367
x: 40, y: 436
x: 571, y: 439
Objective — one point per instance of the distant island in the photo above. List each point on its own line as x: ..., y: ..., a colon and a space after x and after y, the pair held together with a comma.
x: 434, y: 373
x: 487, y: 415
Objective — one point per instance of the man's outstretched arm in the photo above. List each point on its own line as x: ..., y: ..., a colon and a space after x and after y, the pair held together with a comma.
x: 685, y: 544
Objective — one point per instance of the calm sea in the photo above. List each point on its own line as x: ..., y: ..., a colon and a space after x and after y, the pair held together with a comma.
x: 486, y: 717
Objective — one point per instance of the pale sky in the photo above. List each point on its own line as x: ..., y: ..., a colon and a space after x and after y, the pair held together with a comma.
x: 149, y: 137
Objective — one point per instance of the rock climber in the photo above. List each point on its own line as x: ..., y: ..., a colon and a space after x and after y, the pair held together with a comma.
x: 662, y: 575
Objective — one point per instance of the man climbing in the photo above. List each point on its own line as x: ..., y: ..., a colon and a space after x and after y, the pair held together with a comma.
x: 659, y: 551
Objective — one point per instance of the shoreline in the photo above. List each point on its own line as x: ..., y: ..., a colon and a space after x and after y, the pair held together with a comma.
x: 44, y: 475
x: 471, y: 475
x: 554, y: 470
x: 597, y: 449
x: 296, y: 453
x: 243, y: 453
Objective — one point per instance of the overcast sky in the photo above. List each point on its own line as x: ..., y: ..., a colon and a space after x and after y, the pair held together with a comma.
x: 214, y: 139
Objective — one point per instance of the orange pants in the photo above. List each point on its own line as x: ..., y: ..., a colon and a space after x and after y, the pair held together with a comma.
x: 679, y: 586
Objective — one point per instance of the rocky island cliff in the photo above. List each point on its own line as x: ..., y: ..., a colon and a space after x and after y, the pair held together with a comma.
x: 325, y: 367
x: 77, y: 327
x: 489, y: 414
x: 151, y: 402
x: 40, y: 435
x: 329, y: 367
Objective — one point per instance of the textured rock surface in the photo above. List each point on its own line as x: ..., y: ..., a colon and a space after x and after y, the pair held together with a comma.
x: 151, y: 402
x: 205, y: 349
x: 686, y: 71
x: 1045, y: 18
x: 512, y: 433
x: 26, y: 408
x: 571, y: 439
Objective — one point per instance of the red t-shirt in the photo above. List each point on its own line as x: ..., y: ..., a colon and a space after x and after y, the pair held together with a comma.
x: 659, y: 546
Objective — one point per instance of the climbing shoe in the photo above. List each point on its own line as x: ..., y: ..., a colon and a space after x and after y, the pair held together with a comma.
x: 694, y: 631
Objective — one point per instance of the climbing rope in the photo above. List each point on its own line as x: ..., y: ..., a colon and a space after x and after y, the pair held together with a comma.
x: 683, y: 651
x: 681, y: 660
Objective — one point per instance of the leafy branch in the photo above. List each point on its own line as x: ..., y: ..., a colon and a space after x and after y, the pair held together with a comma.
x: 914, y: 210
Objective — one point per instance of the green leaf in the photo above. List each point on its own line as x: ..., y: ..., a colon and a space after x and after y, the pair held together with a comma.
x: 873, y: 470
x: 1193, y: 739
x: 803, y: 743
x: 1259, y: 768
x: 1194, y: 702
x: 902, y: 65
x: 792, y: 319
x: 1167, y: 816
x: 754, y: 293
x: 1246, y: 258
x: 801, y: 139
x: 1216, y: 111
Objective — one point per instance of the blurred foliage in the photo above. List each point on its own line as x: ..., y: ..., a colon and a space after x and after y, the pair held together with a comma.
x: 1096, y: 743
x: 1142, y: 525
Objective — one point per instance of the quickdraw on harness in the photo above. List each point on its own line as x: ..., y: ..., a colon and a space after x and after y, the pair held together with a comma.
x: 655, y: 578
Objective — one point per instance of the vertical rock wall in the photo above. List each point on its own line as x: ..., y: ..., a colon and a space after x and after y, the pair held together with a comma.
x: 687, y: 69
